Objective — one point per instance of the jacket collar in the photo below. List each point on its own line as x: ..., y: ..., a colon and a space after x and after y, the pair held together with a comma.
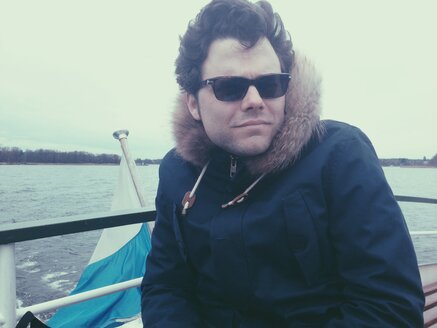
x: 301, y: 122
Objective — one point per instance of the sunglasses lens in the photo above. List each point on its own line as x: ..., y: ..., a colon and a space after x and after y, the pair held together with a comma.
x: 230, y: 88
x: 235, y: 88
x: 272, y: 86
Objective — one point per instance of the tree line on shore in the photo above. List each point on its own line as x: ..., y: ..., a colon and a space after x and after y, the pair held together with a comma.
x: 15, y: 155
x: 410, y: 162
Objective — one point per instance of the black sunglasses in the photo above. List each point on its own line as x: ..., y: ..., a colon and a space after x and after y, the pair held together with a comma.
x: 232, y: 88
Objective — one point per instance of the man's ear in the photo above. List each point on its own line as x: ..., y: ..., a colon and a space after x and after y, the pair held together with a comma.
x: 193, y: 107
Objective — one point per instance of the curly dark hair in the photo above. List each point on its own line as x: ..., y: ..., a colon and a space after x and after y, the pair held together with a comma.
x: 239, y: 19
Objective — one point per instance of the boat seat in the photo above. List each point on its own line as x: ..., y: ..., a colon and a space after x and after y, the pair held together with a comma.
x: 430, y: 311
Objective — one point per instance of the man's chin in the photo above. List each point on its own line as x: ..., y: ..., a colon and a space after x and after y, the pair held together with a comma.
x: 250, y: 149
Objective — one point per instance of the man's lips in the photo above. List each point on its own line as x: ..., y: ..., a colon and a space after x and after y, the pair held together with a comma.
x: 251, y: 123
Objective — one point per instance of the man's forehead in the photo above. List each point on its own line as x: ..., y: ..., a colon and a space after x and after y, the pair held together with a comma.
x: 230, y: 57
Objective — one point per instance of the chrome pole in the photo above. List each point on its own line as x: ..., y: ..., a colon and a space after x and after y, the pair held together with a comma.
x: 121, y: 135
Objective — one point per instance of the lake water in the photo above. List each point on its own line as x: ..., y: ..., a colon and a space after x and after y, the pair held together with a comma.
x: 50, y: 267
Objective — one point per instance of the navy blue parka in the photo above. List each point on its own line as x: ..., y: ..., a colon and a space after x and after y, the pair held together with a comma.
x: 319, y: 242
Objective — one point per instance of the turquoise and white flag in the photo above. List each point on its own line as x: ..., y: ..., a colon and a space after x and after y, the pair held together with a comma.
x: 119, y: 256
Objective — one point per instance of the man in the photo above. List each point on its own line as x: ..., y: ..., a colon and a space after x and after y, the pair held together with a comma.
x: 267, y: 216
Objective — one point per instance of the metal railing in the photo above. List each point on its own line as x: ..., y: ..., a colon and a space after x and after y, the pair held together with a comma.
x: 17, y: 232
x: 12, y: 233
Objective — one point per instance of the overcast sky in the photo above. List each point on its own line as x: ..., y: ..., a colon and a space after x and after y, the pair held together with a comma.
x: 72, y: 72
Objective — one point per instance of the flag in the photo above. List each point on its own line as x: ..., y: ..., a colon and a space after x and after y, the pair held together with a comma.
x: 119, y: 255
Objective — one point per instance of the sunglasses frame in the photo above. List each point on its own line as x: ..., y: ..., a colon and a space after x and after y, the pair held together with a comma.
x: 249, y: 82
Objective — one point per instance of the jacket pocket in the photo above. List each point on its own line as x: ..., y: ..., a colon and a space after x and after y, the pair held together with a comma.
x: 302, y: 236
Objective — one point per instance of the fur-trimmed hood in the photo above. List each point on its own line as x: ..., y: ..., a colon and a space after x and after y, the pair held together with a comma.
x: 301, y: 122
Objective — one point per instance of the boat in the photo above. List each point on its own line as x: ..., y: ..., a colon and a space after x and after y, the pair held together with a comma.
x: 13, y: 233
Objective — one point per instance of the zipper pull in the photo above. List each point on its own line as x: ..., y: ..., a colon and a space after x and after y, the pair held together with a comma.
x: 233, y: 168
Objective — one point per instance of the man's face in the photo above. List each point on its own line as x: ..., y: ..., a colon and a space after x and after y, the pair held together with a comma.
x: 244, y: 127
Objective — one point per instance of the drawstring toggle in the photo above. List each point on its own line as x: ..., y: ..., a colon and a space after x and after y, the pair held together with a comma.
x: 187, y: 202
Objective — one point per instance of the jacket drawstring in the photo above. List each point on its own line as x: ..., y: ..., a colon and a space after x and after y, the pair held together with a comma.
x: 241, y: 197
x: 190, y: 196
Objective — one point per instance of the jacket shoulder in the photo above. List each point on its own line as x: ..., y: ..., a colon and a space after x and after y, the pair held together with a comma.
x: 173, y: 161
x: 341, y: 134
x: 175, y: 171
x: 340, y: 129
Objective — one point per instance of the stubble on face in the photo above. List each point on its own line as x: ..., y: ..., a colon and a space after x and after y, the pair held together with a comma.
x: 252, y: 141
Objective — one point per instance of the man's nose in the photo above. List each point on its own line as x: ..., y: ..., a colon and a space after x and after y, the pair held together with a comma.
x: 252, y: 99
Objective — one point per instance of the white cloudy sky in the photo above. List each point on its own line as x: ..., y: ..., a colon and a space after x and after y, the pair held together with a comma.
x: 72, y: 72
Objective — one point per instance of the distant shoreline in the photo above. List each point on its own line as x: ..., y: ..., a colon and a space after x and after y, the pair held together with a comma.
x: 414, y: 166
x: 104, y: 164
x: 114, y: 164
x: 17, y: 156
x: 79, y: 164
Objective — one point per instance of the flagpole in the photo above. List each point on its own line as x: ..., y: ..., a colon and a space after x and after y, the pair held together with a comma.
x: 121, y: 135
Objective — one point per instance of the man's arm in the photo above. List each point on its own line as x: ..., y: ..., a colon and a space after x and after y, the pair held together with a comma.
x: 374, y: 252
x: 168, y: 284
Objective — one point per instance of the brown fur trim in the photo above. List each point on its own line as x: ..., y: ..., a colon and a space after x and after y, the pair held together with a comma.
x: 301, y: 122
x: 192, y: 143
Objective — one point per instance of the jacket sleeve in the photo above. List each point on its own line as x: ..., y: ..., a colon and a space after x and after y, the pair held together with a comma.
x: 374, y: 252
x: 167, y: 289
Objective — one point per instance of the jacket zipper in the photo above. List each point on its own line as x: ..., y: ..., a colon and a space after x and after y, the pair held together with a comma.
x: 233, y: 168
